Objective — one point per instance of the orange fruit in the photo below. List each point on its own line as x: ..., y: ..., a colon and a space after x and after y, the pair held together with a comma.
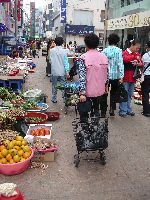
x: 24, y: 142
x: 1, y: 155
x: 8, y: 157
x: 26, y: 148
x: 18, y: 143
x: 10, y: 145
x: 4, y: 152
x: 13, y: 152
x: 22, y: 159
x: 19, y: 138
x: 2, y: 147
x: 17, y: 148
x: 20, y: 153
x: 26, y: 155
x: 3, y: 161
x: 16, y: 159
x: 11, y: 161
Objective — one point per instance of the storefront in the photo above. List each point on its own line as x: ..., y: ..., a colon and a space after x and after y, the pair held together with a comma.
x: 131, y: 26
x: 2, y: 20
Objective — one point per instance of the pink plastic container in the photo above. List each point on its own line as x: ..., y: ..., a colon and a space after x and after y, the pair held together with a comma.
x: 16, y: 168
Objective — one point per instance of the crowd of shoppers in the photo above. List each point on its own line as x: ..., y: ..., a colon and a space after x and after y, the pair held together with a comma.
x: 101, y: 72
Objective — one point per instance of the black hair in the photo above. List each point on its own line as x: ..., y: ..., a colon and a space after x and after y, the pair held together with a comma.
x: 59, y: 41
x: 134, y: 42
x: 70, y: 43
x: 113, y: 39
x: 148, y: 44
x: 91, y: 41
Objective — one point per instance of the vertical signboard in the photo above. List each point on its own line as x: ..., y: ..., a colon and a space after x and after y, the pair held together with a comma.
x: 63, y: 11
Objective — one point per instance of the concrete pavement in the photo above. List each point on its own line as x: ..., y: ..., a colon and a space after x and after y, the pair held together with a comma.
x: 126, y: 175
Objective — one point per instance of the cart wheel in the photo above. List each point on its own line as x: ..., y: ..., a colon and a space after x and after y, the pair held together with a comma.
x: 102, y: 158
x: 76, y: 160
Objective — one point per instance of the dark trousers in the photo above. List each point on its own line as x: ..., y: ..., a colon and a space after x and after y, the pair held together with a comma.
x: 145, y: 87
x: 94, y: 110
x: 103, y: 100
x: 34, y: 53
x: 48, y: 68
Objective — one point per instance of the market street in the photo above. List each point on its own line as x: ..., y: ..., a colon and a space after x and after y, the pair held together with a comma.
x: 126, y: 175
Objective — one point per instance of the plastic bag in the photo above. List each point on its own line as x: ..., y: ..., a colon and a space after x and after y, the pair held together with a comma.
x: 32, y: 93
x: 8, y: 189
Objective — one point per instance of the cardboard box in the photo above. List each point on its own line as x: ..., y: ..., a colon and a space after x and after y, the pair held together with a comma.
x: 44, y: 157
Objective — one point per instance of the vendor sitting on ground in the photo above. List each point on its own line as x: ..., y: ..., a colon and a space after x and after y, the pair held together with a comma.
x: 14, y: 54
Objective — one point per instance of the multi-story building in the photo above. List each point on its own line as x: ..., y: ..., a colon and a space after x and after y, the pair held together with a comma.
x: 77, y: 18
x: 32, y: 20
x: 130, y: 19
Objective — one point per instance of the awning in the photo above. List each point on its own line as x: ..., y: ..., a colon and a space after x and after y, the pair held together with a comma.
x: 3, y: 28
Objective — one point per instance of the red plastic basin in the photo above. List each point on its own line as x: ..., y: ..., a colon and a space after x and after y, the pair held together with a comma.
x: 16, y: 168
x: 43, y: 116
x: 17, y: 197
x: 53, y: 116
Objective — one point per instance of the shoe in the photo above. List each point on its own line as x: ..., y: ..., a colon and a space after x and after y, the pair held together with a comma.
x: 132, y: 114
x: 145, y: 114
x: 53, y: 101
x: 123, y: 115
x: 49, y: 75
x: 112, y: 113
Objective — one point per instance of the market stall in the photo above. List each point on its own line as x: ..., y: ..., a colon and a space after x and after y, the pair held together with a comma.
x: 35, y: 143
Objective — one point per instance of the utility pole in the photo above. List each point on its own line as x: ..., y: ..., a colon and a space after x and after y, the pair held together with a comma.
x: 16, y: 18
x: 105, y: 23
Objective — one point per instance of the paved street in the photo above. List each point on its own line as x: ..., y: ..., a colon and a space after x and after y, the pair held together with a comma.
x: 125, y: 177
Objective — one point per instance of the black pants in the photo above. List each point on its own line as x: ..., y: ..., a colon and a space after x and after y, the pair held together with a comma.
x: 48, y: 68
x: 34, y: 53
x: 94, y: 110
x: 145, y: 87
x: 103, y: 100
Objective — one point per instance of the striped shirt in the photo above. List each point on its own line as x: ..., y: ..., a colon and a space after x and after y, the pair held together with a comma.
x: 115, y: 62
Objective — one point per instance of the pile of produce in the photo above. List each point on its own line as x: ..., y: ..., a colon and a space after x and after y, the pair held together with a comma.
x: 73, y: 100
x: 4, y: 92
x: 14, y: 151
x: 40, y: 132
x: 7, y: 135
x: 34, y: 120
x: 7, y: 120
x: 41, y: 144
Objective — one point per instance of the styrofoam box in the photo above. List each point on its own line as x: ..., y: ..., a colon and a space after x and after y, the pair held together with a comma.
x: 39, y: 126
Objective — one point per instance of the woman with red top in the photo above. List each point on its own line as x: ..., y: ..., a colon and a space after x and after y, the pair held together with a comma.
x: 131, y: 59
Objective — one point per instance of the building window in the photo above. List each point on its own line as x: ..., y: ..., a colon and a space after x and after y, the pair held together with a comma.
x: 122, y: 3
x: 102, y: 16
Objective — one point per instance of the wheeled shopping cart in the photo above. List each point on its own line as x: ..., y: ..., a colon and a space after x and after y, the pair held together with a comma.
x: 91, y: 136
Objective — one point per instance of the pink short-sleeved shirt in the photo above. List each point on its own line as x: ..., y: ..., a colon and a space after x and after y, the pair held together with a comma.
x: 96, y: 72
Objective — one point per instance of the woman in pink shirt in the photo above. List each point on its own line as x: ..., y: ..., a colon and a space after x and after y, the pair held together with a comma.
x: 93, y: 69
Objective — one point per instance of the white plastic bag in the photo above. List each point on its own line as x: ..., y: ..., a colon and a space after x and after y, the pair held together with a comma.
x: 8, y: 189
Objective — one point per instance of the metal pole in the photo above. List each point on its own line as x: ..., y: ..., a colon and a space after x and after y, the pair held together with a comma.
x: 16, y: 18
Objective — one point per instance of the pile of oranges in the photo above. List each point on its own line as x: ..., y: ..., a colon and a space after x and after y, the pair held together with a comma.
x: 40, y: 132
x: 14, y: 151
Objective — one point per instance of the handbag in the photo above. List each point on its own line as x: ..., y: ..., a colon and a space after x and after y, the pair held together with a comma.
x: 121, y: 94
x: 137, y: 73
x: 84, y: 106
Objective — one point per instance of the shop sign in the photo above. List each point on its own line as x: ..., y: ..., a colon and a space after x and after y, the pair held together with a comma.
x: 129, y: 21
x: 63, y: 12
x: 78, y: 29
x: 2, y: 14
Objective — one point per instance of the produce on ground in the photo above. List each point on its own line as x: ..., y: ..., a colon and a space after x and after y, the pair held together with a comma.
x: 14, y: 151
x: 34, y: 119
x: 40, y: 132
x: 7, y: 120
x: 7, y: 135
x: 41, y: 144
x: 4, y: 92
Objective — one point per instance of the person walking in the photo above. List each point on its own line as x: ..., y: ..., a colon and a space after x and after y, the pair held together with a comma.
x: 93, y: 68
x: 50, y: 45
x: 115, y: 72
x: 59, y: 66
x: 131, y: 59
x: 33, y: 49
x: 145, y: 85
